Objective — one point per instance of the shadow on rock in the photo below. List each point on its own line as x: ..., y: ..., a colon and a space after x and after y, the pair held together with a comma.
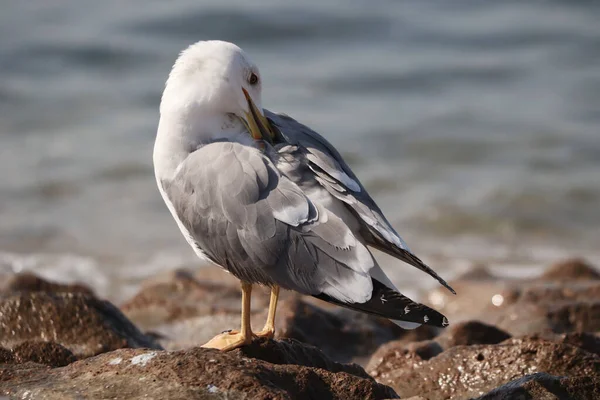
x: 263, y: 370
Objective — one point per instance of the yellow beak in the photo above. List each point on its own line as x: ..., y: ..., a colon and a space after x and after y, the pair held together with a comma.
x: 256, y: 123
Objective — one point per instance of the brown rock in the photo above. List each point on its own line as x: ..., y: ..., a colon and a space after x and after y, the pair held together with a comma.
x: 179, y: 295
x: 186, y: 311
x: 80, y: 322
x: 545, y: 386
x: 585, y: 341
x: 553, y: 292
x: 47, y: 353
x: 342, y: 334
x: 470, y: 371
x: 6, y: 356
x: 292, y: 370
x: 523, y: 318
x: 425, y: 349
x: 471, y: 332
x: 573, y: 269
x: 474, y: 296
x: 28, y: 282
x: 399, y: 353
x: 481, y: 293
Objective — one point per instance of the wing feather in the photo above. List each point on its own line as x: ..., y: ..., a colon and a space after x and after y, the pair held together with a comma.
x: 248, y: 218
x: 334, y: 175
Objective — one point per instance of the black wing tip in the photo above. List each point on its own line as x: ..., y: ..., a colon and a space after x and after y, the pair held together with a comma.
x: 447, y: 286
x: 388, y: 303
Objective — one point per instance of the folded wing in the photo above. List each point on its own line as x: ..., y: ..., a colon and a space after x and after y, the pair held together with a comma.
x: 334, y: 175
x: 238, y: 210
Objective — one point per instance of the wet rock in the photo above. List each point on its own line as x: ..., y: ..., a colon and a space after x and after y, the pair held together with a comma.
x: 78, y: 321
x: 471, y: 332
x: 546, y: 386
x: 573, y: 269
x: 470, y: 371
x: 278, y: 370
x: 47, y: 353
x: 29, y: 282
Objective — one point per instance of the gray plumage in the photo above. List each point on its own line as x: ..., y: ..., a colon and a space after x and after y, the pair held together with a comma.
x: 287, y: 213
x: 250, y: 219
x: 334, y: 175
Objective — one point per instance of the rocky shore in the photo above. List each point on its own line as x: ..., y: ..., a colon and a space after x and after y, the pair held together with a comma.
x: 508, y: 339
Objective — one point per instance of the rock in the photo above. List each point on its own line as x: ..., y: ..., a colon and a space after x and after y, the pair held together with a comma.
x: 47, y: 353
x: 278, y: 370
x: 526, y: 307
x: 480, y: 292
x: 547, y: 293
x: 342, y: 334
x: 545, y: 386
x: 425, y: 349
x: 465, y: 333
x: 187, y: 310
x: 573, y: 269
x: 471, y: 332
x: 78, y: 321
x: 585, y: 341
x: 6, y: 356
x: 476, y: 294
x: 179, y: 295
x: 28, y: 282
x: 470, y: 371
x: 523, y: 318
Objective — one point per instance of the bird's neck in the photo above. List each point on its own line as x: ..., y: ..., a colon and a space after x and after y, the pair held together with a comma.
x: 180, y: 135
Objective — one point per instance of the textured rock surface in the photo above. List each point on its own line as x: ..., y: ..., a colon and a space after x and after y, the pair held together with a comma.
x: 47, y: 353
x: 47, y: 326
x: 541, y: 386
x: 264, y: 370
x: 471, y: 371
x: 78, y: 321
x: 187, y: 310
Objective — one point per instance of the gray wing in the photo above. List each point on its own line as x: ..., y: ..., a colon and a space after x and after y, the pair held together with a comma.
x: 245, y: 216
x: 333, y: 174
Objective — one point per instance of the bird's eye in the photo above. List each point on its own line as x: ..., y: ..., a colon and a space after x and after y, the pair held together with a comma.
x: 253, y: 79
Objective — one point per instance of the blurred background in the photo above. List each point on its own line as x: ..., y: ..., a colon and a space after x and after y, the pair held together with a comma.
x: 475, y: 125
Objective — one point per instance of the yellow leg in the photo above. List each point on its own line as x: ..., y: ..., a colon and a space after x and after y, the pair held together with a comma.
x: 269, y: 329
x: 232, y: 340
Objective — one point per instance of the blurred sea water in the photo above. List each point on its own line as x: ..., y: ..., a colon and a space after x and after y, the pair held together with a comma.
x: 475, y: 125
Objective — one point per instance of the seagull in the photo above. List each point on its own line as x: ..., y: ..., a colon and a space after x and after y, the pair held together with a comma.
x: 270, y: 200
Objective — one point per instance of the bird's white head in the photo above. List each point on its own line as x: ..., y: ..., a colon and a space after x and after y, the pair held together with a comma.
x: 214, y: 91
